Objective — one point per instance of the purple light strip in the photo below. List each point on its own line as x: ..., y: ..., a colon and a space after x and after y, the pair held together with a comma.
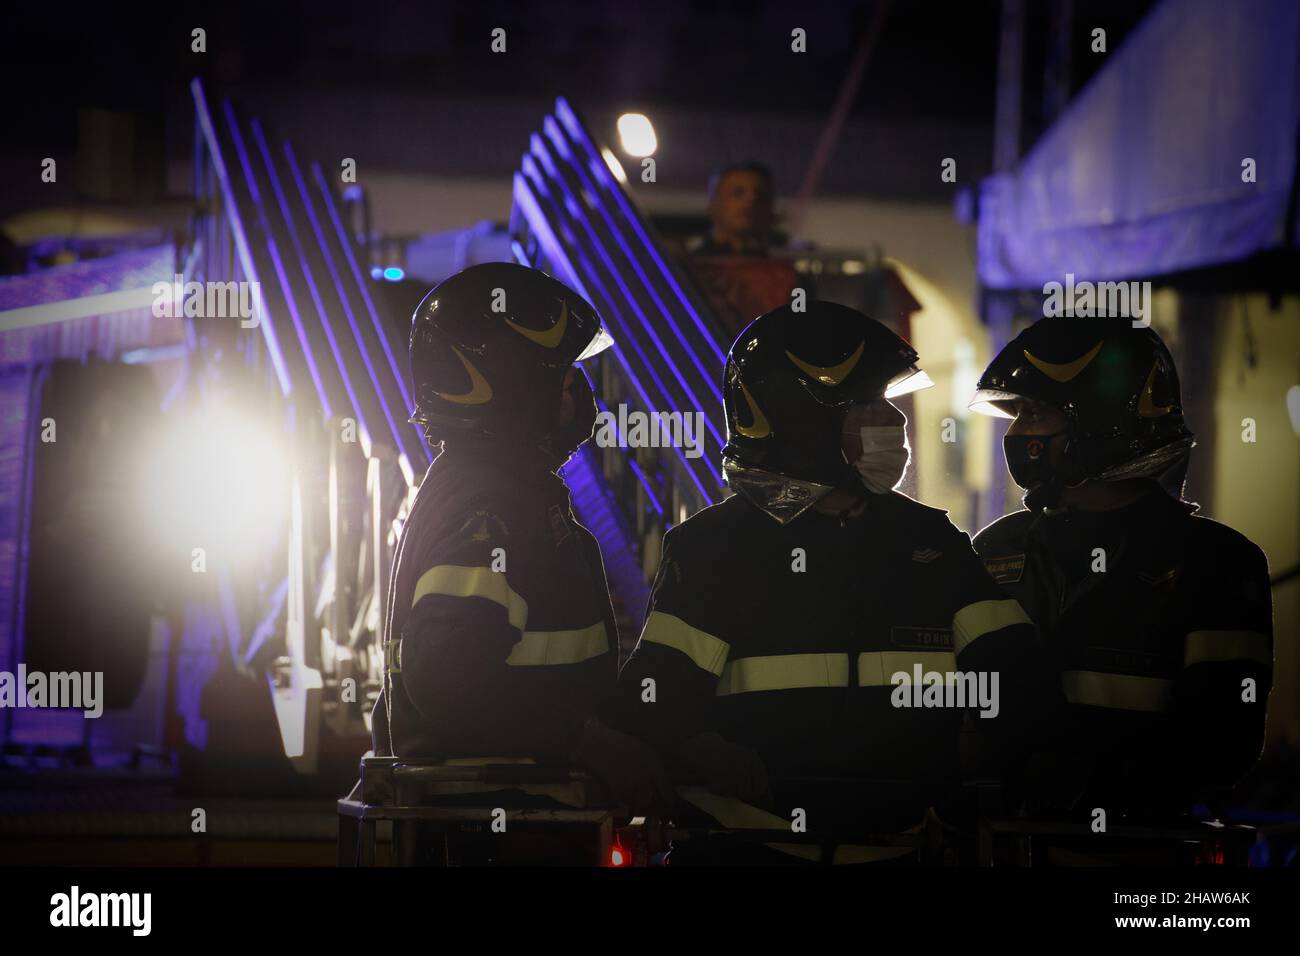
x: 574, y: 208
x: 612, y: 310
x: 529, y: 166
x: 295, y: 171
x: 241, y: 238
x: 339, y: 290
x: 17, y: 638
x: 555, y: 253
x: 555, y: 135
x: 645, y: 483
x: 631, y: 460
x: 276, y: 262
x: 312, y: 288
x: 537, y: 183
x: 579, y: 135
x: 602, y: 516
x: 398, y: 377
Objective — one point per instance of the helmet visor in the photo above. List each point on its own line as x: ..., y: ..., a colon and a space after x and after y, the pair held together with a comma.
x: 994, y: 402
x: 907, y: 381
x: 599, y: 342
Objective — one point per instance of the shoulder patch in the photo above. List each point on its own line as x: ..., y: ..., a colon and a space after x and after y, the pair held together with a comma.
x: 483, y: 526
x: 1007, y: 569
x: 1157, y: 579
x: 921, y: 638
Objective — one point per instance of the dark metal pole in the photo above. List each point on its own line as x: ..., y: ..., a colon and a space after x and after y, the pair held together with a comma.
x: 998, y: 308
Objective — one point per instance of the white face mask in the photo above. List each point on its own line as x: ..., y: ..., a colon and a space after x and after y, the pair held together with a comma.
x: 884, y: 457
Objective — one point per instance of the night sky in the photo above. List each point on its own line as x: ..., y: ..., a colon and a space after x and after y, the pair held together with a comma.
x: 933, y: 60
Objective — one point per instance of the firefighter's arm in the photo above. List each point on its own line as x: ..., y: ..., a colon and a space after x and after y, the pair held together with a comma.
x: 1221, y: 693
x: 466, y: 621
x: 456, y: 643
x: 657, y: 699
x: 664, y: 688
x: 993, y: 635
x: 673, y: 671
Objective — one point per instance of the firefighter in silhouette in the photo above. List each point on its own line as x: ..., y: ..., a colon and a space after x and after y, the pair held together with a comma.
x: 1156, y: 621
x: 498, y: 634
x: 777, y: 672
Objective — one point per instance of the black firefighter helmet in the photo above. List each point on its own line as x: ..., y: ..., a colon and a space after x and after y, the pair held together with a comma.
x: 1118, y: 388
x: 789, y: 378
x: 490, y: 347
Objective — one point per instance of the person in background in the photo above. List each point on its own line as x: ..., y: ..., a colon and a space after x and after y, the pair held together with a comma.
x: 740, y: 212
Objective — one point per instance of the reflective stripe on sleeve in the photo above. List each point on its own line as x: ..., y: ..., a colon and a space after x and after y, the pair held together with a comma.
x: 1117, y: 691
x: 876, y: 668
x: 795, y: 671
x: 456, y: 581
x: 784, y: 672
x: 983, y: 617
x: 705, y: 651
x: 560, y: 647
x: 1204, y: 646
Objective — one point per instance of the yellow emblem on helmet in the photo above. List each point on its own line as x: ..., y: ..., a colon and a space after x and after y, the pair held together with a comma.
x: 480, y: 389
x: 831, y: 375
x: 760, y: 427
x: 547, y: 338
x: 1065, y: 370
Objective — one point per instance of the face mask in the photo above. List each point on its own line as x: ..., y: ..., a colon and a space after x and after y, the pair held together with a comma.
x: 1027, y: 458
x: 884, y: 457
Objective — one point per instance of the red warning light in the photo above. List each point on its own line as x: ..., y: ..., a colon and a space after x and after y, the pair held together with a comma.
x: 617, y: 857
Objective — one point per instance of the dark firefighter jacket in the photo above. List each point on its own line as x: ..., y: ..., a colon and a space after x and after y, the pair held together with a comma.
x: 1150, y: 658
x: 481, y: 662
x: 799, y: 664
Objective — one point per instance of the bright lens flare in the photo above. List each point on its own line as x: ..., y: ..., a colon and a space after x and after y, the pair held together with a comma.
x: 219, y: 482
x: 637, y: 134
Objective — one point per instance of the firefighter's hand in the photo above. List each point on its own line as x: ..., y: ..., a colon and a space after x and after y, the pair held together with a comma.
x: 730, y: 770
x: 630, y: 768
